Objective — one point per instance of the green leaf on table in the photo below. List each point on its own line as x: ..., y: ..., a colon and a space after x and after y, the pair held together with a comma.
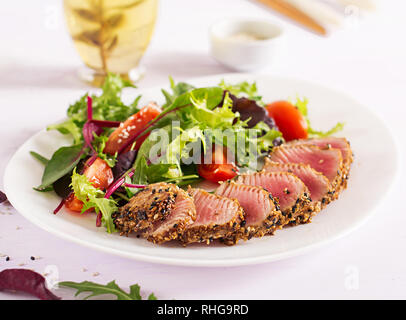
x: 61, y: 163
x: 112, y: 288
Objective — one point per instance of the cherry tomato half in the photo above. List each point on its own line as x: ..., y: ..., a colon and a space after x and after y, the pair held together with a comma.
x: 129, y: 128
x: 219, y: 169
x: 289, y: 120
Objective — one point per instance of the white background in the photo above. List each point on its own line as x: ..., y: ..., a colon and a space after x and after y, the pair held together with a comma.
x: 366, y: 59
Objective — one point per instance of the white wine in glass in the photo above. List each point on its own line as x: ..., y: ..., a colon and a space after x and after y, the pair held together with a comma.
x: 110, y: 35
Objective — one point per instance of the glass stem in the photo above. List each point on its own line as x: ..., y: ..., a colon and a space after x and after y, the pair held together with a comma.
x: 101, y: 39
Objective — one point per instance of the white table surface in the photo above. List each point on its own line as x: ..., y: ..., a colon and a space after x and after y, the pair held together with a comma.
x: 367, y: 59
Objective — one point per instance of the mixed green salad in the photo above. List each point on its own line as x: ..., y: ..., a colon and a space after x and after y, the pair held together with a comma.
x: 118, y: 148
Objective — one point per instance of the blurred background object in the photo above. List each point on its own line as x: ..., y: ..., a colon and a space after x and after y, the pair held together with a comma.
x: 110, y: 35
x: 244, y: 44
x: 317, y: 15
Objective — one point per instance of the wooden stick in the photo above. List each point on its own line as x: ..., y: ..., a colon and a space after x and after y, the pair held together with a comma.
x: 295, y: 14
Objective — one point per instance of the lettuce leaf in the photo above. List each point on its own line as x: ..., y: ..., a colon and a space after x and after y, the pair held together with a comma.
x: 177, y: 90
x: 62, y: 162
x: 242, y: 89
x: 221, y: 117
x: 301, y: 104
x: 107, y: 106
x: 93, y: 198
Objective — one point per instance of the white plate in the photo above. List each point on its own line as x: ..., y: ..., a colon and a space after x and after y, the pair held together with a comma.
x: 372, y: 174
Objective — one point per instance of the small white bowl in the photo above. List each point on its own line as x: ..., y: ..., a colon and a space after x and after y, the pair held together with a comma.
x: 244, y: 44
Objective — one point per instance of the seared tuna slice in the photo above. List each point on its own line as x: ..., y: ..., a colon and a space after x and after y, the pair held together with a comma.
x: 329, y: 142
x: 216, y: 218
x: 159, y: 212
x: 341, y: 144
x: 327, y: 161
x: 318, y: 185
x: 261, y: 210
x: 290, y: 191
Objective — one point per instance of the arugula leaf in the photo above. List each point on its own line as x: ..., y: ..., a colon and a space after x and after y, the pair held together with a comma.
x: 40, y: 158
x: 93, y: 198
x: 62, y: 162
x: 301, y: 104
x: 110, y: 288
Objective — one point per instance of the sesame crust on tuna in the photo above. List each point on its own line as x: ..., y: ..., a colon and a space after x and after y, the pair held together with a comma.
x: 152, y: 206
x: 345, y: 175
x: 173, y: 233
x: 342, y: 175
x: 301, y: 212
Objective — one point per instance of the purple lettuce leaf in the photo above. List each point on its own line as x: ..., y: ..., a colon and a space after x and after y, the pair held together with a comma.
x: 124, y: 162
x: 250, y: 109
x: 27, y: 281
